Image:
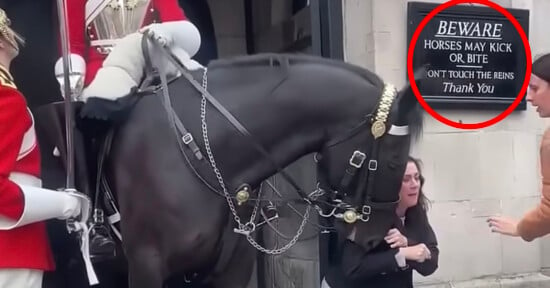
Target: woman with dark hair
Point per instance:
(410, 245)
(536, 223)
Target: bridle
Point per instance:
(188, 146)
(362, 167)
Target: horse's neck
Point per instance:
(291, 122)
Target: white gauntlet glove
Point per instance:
(176, 34)
(45, 204)
(71, 206)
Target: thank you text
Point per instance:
(471, 58)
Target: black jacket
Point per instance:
(352, 267)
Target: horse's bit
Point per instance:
(378, 128)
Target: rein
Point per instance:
(226, 114)
(356, 166)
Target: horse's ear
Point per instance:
(406, 100)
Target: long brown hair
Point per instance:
(541, 67)
(423, 201)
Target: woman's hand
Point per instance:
(395, 239)
(503, 225)
(418, 253)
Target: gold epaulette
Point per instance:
(6, 80)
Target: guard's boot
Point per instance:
(102, 245)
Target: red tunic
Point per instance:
(79, 34)
(26, 246)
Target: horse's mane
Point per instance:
(275, 59)
(415, 118)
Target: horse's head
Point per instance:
(364, 167)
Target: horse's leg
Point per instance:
(238, 271)
(144, 269)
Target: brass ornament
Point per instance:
(388, 96)
(128, 4)
(132, 4)
(114, 4)
(350, 216)
(378, 129)
(242, 196)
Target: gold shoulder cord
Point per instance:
(388, 96)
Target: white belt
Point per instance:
(25, 179)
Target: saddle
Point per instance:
(95, 125)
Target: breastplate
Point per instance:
(119, 18)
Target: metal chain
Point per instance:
(255, 210)
(211, 156)
(289, 244)
(245, 227)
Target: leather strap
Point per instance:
(186, 137)
(151, 72)
(228, 116)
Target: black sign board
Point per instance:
(475, 55)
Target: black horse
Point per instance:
(176, 176)
(33, 71)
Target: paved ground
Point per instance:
(535, 280)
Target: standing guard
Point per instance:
(24, 205)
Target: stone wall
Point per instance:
(229, 24)
(470, 174)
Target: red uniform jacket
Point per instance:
(26, 246)
(79, 34)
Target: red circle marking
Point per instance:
(410, 72)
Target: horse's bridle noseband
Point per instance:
(356, 162)
(364, 165)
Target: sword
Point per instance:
(69, 82)
(72, 83)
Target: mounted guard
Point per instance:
(24, 205)
(95, 28)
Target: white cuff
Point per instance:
(42, 204)
(400, 259)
